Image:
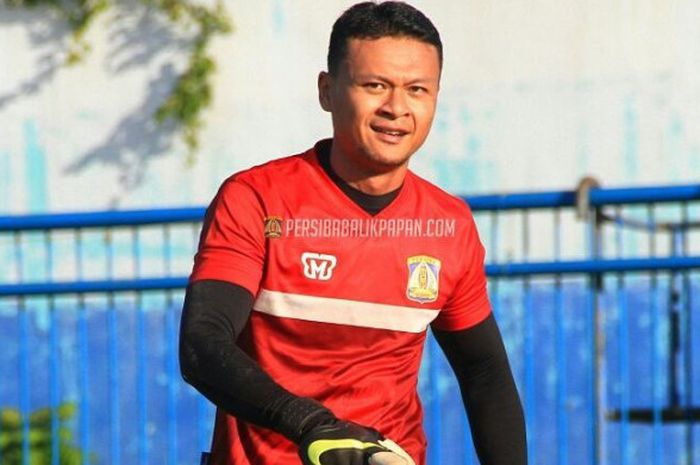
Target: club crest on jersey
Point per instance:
(423, 278)
(273, 226)
(318, 266)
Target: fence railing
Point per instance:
(593, 290)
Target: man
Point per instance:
(318, 274)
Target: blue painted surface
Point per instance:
(451, 419)
(442, 402)
(95, 406)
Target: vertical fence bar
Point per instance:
(114, 382)
(54, 380)
(494, 288)
(593, 324)
(656, 336)
(54, 355)
(623, 351)
(687, 325)
(113, 357)
(434, 429)
(171, 351)
(24, 379)
(560, 344)
(202, 421)
(141, 381)
(528, 347)
(23, 347)
(690, 389)
(84, 376)
(83, 354)
(592, 384)
(141, 353)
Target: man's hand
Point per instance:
(346, 443)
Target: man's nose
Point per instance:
(395, 104)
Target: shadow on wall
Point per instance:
(136, 139)
(46, 32)
(135, 38)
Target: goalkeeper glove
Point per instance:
(324, 439)
(339, 443)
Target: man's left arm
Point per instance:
(490, 397)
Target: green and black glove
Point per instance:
(340, 443)
(324, 439)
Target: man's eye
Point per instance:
(374, 86)
(417, 90)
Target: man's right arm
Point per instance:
(214, 315)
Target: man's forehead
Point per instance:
(404, 54)
(389, 42)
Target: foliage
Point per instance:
(192, 92)
(12, 434)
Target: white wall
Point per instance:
(536, 94)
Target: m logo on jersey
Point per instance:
(318, 266)
(423, 278)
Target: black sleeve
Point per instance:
(490, 397)
(213, 316)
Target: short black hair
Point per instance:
(371, 20)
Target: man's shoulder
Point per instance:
(277, 170)
(435, 194)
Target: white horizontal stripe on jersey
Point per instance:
(344, 312)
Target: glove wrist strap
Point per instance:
(299, 415)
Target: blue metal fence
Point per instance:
(593, 290)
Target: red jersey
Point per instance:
(343, 298)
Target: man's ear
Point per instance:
(324, 90)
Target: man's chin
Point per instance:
(389, 158)
(385, 164)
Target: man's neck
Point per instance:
(372, 204)
(366, 180)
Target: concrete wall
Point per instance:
(536, 94)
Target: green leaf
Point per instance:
(40, 437)
(10, 418)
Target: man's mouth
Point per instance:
(389, 131)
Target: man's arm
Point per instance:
(480, 362)
(214, 315)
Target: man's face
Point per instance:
(382, 101)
